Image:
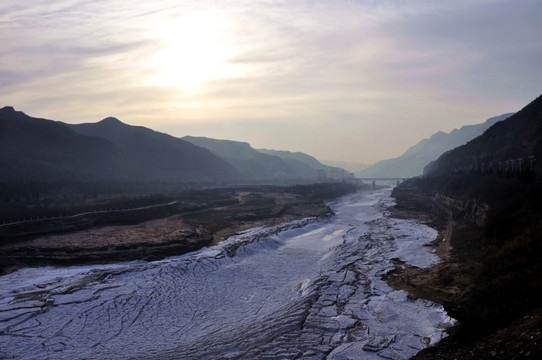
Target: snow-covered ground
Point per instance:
(306, 289)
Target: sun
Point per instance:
(194, 50)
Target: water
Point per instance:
(306, 289)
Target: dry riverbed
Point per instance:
(159, 238)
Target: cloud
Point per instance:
(477, 48)
(352, 80)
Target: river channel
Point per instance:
(308, 289)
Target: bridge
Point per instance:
(396, 180)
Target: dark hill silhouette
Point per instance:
(46, 150)
(412, 162)
(43, 149)
(149, 154)
(517, 137)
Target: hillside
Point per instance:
(489, 216)
(151, 155)
(46, 150)
(110, 150)
(412, 162)
(299, 159)
(51, 151)
(252, 163)
(508, 146)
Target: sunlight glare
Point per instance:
(195, 51)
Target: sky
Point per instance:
(342, 80)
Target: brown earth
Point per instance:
(172, 235)
(450, 281)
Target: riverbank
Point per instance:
(487, 284)
(210, 217)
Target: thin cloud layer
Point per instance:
(345, 80)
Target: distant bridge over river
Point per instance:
(387, 180)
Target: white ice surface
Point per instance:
(306, 289)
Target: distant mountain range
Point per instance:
(267, 164)
(149, 155)
(34, 148)
(317, 167)
(412, 162)
(507, 144)
(107, 150)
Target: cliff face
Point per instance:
(472, 210)
(491, 280)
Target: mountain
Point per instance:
(316, 167)
(33, 148)
(514, 141)
(486, 198)
(412, 162)
(353, 167)
(252, 163)
(152, 155)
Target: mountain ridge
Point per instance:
(170, 157)
(36, 147)
(517, 137)
(108, 150)
(251, 162)
(415, 158)
(113, 150)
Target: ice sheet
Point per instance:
(308, 289)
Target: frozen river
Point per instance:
(306, 289)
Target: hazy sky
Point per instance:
(341, 80)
